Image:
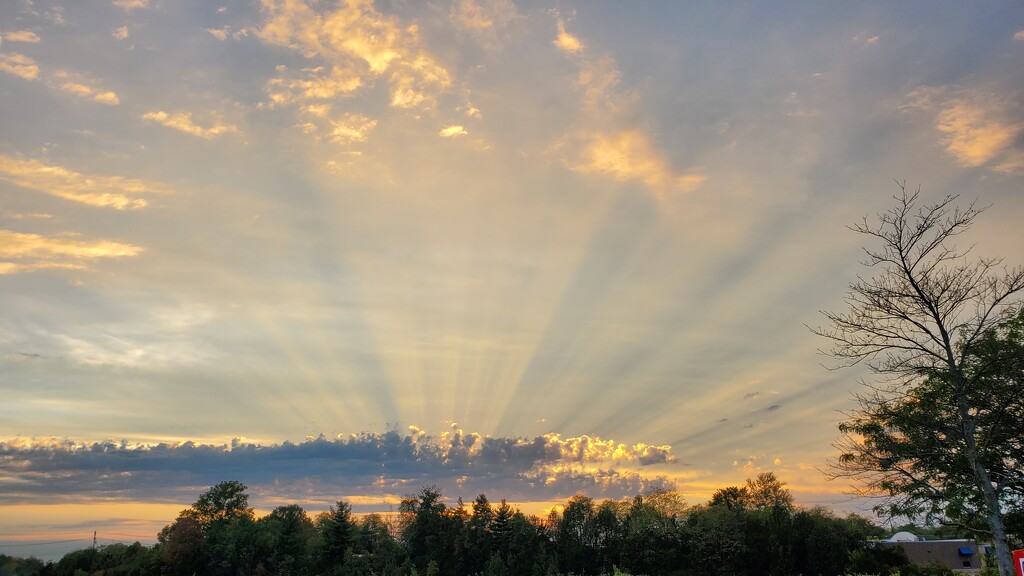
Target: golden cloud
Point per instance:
(630, 155)
(625, 154)
(597, 79)
(182, 121)
(32, 252)
(976, 127)
(76, 88)
(453, 131)
(972, 134)
(121, 33)
(471, 15)
(358, 44)
(316, 86)
(19, 65)
(131, 4)
(351, 128)
(566, 41)
(79, 89)
(22, 36)
(107, 97)
(99, 191)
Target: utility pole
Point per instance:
(93, 539)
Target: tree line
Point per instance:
(753, 529)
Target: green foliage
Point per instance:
(652, 534)
(13, 566)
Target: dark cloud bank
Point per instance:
(371, 469)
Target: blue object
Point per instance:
(966, 551)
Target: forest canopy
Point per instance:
(750, 529)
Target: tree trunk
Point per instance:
(993, 510)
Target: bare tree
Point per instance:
(915, 323)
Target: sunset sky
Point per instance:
(343, 249)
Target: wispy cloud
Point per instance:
(20, 252)
(73, 83)
(971, 133)
(356, 42)
(19, 65)
(977, 128)
(131, 4)
(369, 465)
(121, 33)
(102, 96)
(182, 122)
(219, 33)
(484, 20)
(565, 41)
(22, 36)
(485, 15)
(597, 147)
(351, 128)
(94, 190)
(630, 155)
(314, 84)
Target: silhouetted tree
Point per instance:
(916, 323)
(337, 535)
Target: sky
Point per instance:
(346, 249)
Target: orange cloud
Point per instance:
(566, 41)
(976, 127)
(182, 122)
(351, 128)
(22, 36)
(317, 85)
(453, 131)
(94, 190)
(79, 89)
(624, 154)
(971, 133)
(131, 4)
(32, 252)
(358, 44)
(19, 65)
(630, 155)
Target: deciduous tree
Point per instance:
(918, 437)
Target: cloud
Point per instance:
(22, 252)
(627, 153)
(314, 85)
(103, 97)
(971, 134)
(182, 121)
(19, 65)
(356, 43)
(566, 41)
(453, 131)
(121, 33)
(481, 16)
(976, 127)
(630, 155)
(93, 190)
(219, 33)
(1019, 35)
(131, 4)
(22, 36)
(468, 14)
(351, 128)
(371, 466)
